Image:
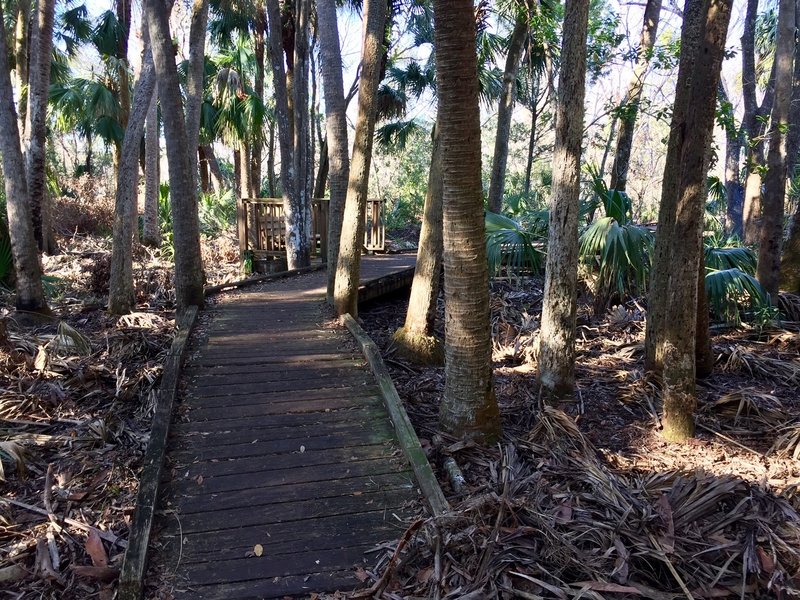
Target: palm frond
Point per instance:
(509, 245)
(727, 289)
(737, 257)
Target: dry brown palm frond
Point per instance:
(68, 341)
(789, 305)
(750, 408)
(13, 452)
(787, 443)
(781, 371)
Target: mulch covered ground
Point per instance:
(586, 500)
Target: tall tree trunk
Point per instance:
(121, 297)
(321, 182)
(151, 235)
(705, 29)
(194, 81)
(469, 406)
(30, 294)
(36, 128)
(237, 175)
(790, 258)
(348, 264)
(205, 176)
(123, 10)
(556, 363)
(245, 174)
(271, 160)
(416, 340)
(289, 177)
(21, 39)
(505, 112)
(258, 87)
(334, 160)
(185, 223)
(733, 182)
(630, 112)
(299, 222)
(790, 261)
(769, 248)
(531, 144)
(217, 180)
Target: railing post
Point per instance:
(241, 229)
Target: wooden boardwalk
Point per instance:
(282, 466)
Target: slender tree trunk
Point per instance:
(30, 294)
(334, 160)
(205, 176)
(260, 50)
(151, 235)
(237, 175)
(790, 258)
(416, 340)
(123, 9)
(469, 407)
(36, 128)
(121, 296)
(685, 242)
(627, 123)
(557, 338)
(531, 145)
(217, 180)
(21, 38)
(321, 181)
(299, 222)
(505, 112)
(245, 174)
(348, 265)
(185, 223)
(194, 81)
(769, 248)
(271, 160)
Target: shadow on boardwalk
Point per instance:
(283, 468)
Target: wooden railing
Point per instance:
(262, 229)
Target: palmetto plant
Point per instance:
(730, 280)
(510, 245)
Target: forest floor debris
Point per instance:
(589, 501)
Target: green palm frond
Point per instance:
(727, 289)
(620, 253)
(510, 245)
(395, 135)
(720, 259)
(107, 33)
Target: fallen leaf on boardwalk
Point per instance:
(357, 493)
(302, 449)
(258, 550)
(95, 550)
(361, 574)
(199, 480)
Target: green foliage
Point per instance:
(165, 221)
(217, 212)
(512, 246)
(730, 280)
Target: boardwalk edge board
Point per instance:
(406, 435)
(233, 285)
(131, 580)
(375, 288)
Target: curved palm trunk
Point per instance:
(185, 223)
(416, 340)
(556, 363)
(151, 235)
(335, 163)
(627, 124)
(194, 80)
(36, 128)
(30, 295)
(348, 264)
(504, 114)
(469, 407)
(769, 248)
(121, 296)
(704, 34)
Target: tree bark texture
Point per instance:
(194, 80)
(123, 10)
(185, 223)
(30, 294)
(627, 122)
(217, 180)
(416, 340)
(299, 221)
(733, 181)
(151, 234)
(21, 33)
(685, 244)
(469, 406)
(348, 263)
(556, 362)
(41, 48)
(771, 235)
(121, 298)
(505, 112)
(260, 42)
(334, 161)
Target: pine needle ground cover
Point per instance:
(587, 500)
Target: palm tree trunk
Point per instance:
(194, 80)
(151, 235)
(704, 34)
(260, 33)
(121, 297)
(469, 406)
(36, 128)
(30, 294)
(627, 124)
(299, 222)
(185, 224)
(334, 161)
(21, 33)
(557, 346)
(348, 264)
(416, 340)
(769, 248)
(505, 112)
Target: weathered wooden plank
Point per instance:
(215, 289)
(279, 403)
(135, 561)
(360, 383)
(222, 520)
(274, 588)
(197, 374)
(262, 496)
(312, 356)
(264, 447)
